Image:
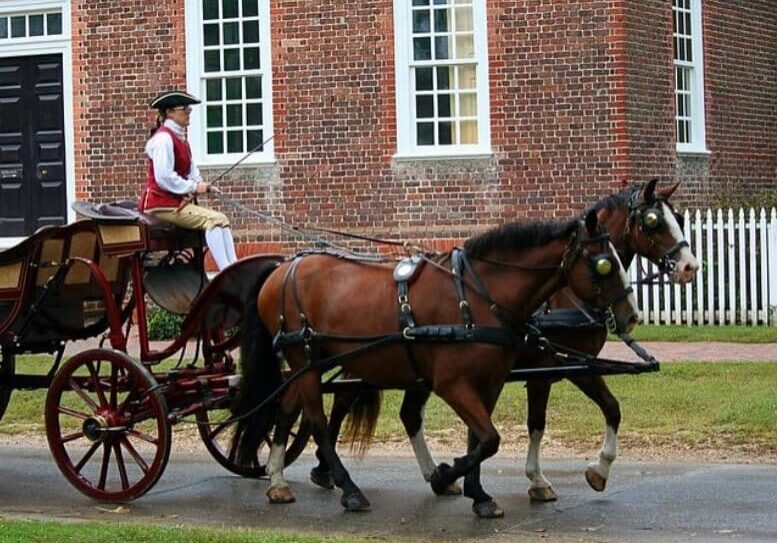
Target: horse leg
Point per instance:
(596, 389)
(352, 498)
(537, 392)
(321, 474)
(483, 444)
(412, 416)
(279, 491)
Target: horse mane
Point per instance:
(618, 200)
(518, 234)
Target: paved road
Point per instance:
(644, 502)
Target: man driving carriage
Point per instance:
(173, 180)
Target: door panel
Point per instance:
(32, 145)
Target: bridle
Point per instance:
(648, 216)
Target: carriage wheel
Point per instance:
(217, 435)
(107, 427)
(7, 368)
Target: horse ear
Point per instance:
(591, 222)
(648, 193)
(666, 191)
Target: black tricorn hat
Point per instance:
(173, 98)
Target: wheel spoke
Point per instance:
(104, 467)
(87, 400)
(114, 385)
(87, 456)
(220, 428)
(72, 412)
(145, 437)
(72, 437)
(121, 466)
(135, 455)
(95, 373)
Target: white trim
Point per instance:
(194, 40)
(405, 104)
(441, 154)
(46, 45)
(698, 143)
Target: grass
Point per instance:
(697, 334)
(18, 531)
(726, 403)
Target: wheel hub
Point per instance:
(95, 428)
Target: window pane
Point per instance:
(255, 139)
(253, 87)
(212, 61)
(444, 77)
(420, 21)
(251, 32)
(230, 33)
(36, 25)
(213, 90)
(422, 48)
(469, 132)
(250, 8)
(3, 27)
(464, 19)
(234, 88)
(420, 2)
(423, 79)
(215, 142)
(465, 46)
(444, 105)
(251, 58)
(466, 77)
(54, 23)
(230, 9)
(254, 114)
(469, 106)
(215, 117)
(210, 9)
(211, 34)
(231, 59)
(235, 141)
(234, 115)
(424, 107)
(441, 48)
(441, 20)
(425, 133)
(18, 27)
(446, 136)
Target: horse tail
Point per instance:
(362, 420)
(260, 378)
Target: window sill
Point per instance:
(215, 164)
(438, 155)
(693, 152)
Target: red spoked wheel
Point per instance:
(107, 426)
(216, 430)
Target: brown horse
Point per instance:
(640, 221)
(322, 310)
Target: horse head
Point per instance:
(655, 231)
(596, 275)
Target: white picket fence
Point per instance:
(737, 280)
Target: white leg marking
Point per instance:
(421, 449)
(533, 469)
(275, 466)
(607, 454)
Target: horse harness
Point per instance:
(648, 216)
(464, 277)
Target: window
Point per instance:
(30, 25)
(689, 85)
(228, 56)
(442, 77)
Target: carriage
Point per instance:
(108, 415)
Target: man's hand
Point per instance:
(202, 187)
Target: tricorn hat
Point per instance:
(173, 98)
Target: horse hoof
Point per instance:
(280, 494)
(453, 489)
(596, 481)
(488, 509)
(322, 478)
(355, 502)
(440, 479)
(542, 494)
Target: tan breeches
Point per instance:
(193, 217)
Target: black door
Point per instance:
(32, 144)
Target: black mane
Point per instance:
(619, 199)
(517, 234)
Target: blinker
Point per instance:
(651, 219)
(603, 266)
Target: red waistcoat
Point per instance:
(155, 196)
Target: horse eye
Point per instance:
(603, 266)
(651, 219)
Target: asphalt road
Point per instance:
(643, 501)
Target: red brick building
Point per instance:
(421, 119)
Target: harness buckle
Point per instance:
(406, 333)
(463, 305)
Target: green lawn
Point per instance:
(691, 334)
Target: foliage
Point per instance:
(163, 324)
(731, 198)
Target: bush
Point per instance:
(728, 198)
(163, 325)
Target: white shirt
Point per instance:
(160, 150)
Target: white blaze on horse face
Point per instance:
(687, 265)
(607, 454)
(422, 454)
(533, 469)
(275, 466)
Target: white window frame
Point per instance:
(405, 104)
(698, 143)
(46, 45)
(195, 85)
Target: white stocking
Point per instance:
(218, 251)
(229, 243)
